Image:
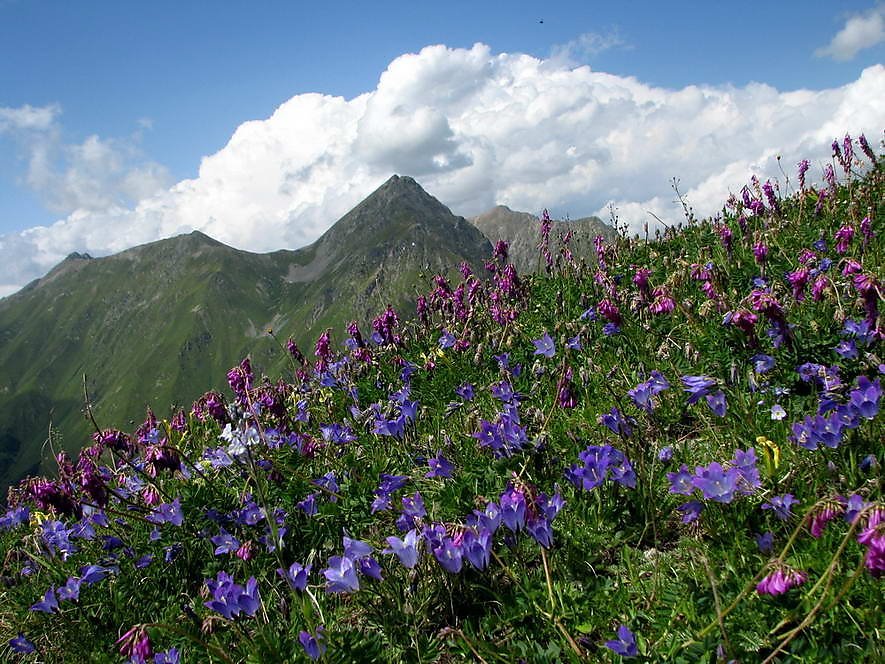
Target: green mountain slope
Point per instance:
(160, 323)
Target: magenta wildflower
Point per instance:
(726, 237)
(823, 515)
(868, 288)
(760, 252)
(818, 287)
(565, 394)
(609, 310)
(295, 352)
(780, 580)
(500, 251)
(872, 537)
(798, 279)
(641, 281)
(847, 153)
(866, 230)
(136, 644)
(240, 379)
(421, 309)
(663, 303)
(770, 196)
(803, 167)
(709, 290)
(745, 321)
(843, 238)
(830, 176)
(702, 272)
(599, 245)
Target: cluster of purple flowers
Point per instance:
(230, 599)
(827, 427)
(715, 482)
(704, 387)
(505, 435)
(598, 463)
(15, 516)
(70, 590)
(389, 485)
(399, 412)
(642, 395)
(519, 508)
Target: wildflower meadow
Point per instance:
(670, 453)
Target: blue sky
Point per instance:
(158, 86)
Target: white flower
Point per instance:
(228, 433)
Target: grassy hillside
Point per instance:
(673, 457)
(161, 323)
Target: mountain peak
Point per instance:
(400, 180)
(400, 185)
(199, 238)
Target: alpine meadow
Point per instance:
(662, 447)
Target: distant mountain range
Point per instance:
(161, 323)
(522, 232)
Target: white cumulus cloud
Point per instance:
(476, 128)
(860, 31)
(93, 175)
